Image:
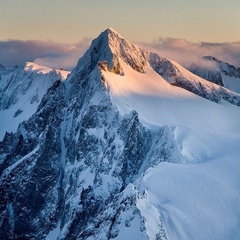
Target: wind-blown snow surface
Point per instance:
(159, 103)
(117, 152)
(201, 199)
(21, 91)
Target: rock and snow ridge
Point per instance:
(22, 89)
(116, 152)
(110, 48)
(218, 72)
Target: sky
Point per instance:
(71, 24)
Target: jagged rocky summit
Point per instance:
(101, 156)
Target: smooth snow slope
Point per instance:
(201, 199)
(159, 103)
(231, 83)
(197, 201)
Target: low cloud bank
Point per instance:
(186, 52)
(63, 55)
(47, 53)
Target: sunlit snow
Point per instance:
(198, 200)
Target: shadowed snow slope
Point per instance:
(218, 72)
(130, 146)
(21, 91)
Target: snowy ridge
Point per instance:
(22, 89)
(33, 67)
(218, 72)
(117, 151)
(181, 77)
(110, 48)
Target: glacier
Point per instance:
(130, 146)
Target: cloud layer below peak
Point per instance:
(65, 55)
(47, 53)
(186, 52)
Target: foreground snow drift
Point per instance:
(197, 201)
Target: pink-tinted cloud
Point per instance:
(186, 52)
(48, 53)
(63, 55)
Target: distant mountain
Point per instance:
(130, 146)
(21, 91)
(179, 76)
(218, 72)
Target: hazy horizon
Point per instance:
(57, 33)
(137, 20)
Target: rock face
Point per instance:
(68, 171)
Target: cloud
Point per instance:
(48, 53)
(186, 52)
(65, 55)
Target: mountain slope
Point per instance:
(178, 76)
(116, 152)
(159, 103)
(22, 89)
(218, 72)
(139, 59)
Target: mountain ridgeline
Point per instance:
(218, 72)
(74, 169)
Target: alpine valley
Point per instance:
(130, 145)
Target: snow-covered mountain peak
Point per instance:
(111, 34)
(109, 52)
(109, 153)
(210, 62)
(131, 54)
(106, 51)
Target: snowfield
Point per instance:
(197, 201)
(159, 103)
(198, 198)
